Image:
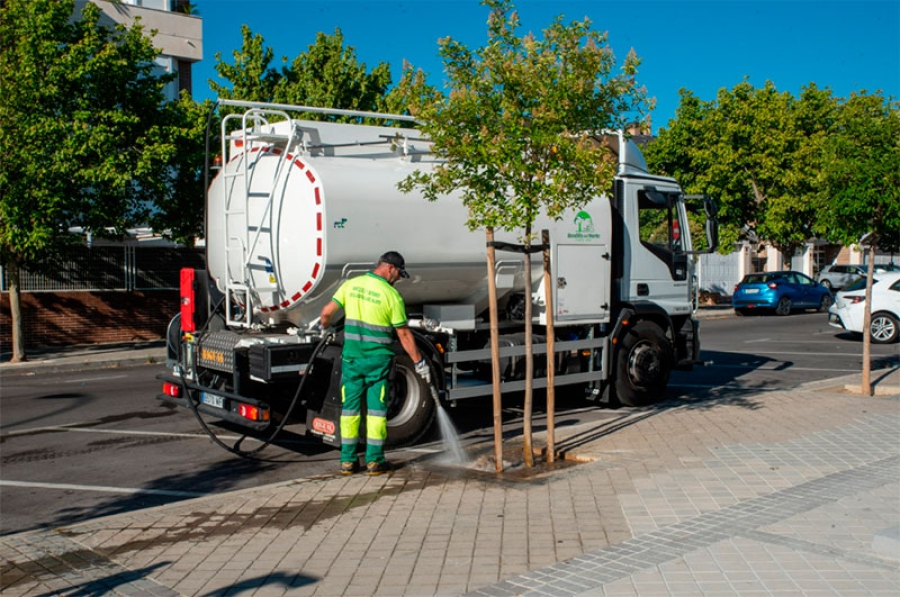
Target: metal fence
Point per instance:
(111, 268)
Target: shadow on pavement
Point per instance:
(107, 584)
(288, 581)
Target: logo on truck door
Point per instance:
(584, 228)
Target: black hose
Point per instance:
(192, 404)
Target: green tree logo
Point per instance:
(583, 223)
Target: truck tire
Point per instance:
(643, 365)
(411, 409)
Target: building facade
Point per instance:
(179, 35)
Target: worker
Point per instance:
(373, 311)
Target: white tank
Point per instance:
(298, 216)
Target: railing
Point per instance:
(111, 269)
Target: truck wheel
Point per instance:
(411, 409)
(643, 364)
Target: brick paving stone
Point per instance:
(726, 498)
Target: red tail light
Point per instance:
(853, 300)
(773, 285)
(188, 300)
(254, 413)
(172, 389)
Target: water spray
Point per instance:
(453, 452)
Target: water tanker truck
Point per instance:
(297, 206)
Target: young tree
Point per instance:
(514, 134)
(80, 133)
(860, 186)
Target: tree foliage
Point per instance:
(327, 75)
(791, 168)
(178, 208)
(750, 148)
(859, 173)
(514, 129)
(251, 77)
(81, 134)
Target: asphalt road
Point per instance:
(75, 446)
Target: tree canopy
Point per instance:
(790, 168)
(81, 127)
(515, 127)
(326, 75)
(749, 148)
(860, 174)
(82, 132)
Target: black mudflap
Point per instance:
(323, 420)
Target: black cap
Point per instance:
(395, 259)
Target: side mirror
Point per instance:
(709, 207)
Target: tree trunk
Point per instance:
(529, 358)
(551, 354)
(866, 388)
(15, 308)
(495, 349)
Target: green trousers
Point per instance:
(364, 378)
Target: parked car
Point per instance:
(836, 277)
(848, 309)
(781, 291)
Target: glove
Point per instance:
(423, 370)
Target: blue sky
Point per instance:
(700, 45)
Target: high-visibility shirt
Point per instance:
(372, 309)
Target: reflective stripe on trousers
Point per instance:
(364, 378)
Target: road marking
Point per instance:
(84, 379)
(103, 489)
(116, 431)
(808, 354)
(770, 341)
(781, 367)
(726, 387)
(279, 441)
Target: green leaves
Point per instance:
(80, 127)
(860, 173)
(514, 128)
(326, 75)
(790, 167)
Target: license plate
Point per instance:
(752, 291)
(212, 400)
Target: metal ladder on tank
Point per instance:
(240, 293)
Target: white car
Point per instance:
(848, 309)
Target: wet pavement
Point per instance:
(779, 493)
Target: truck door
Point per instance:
(582, 282)
(661, 230)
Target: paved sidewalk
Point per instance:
(780, 493)
(775, 493)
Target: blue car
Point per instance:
(781, 292)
